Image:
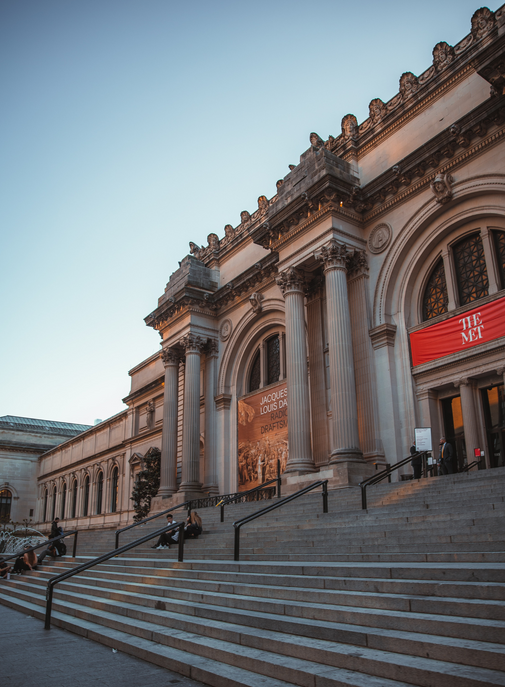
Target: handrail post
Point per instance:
(236, 548)
(117, 539)
(74, 552)
(278, 478)
(49, 605)
(181, 543)
(222, 512)
(363, 496)
(325, 497)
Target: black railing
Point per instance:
(375, 479)
(105, 557)
(186, 504)
(238, 523)
(471, 465)
(258, 493)
(46, 543)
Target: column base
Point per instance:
(339, 475)
(300, 467)
(161, 503)
(342, 455)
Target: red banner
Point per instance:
(459, 333)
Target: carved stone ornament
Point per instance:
(192, 343)
(291, 167)
(169, 356)
(195, 250)
(279, 183)
(255, 301)
(229, 231)
(483, 22)
(380, 238)
(225, 330)
(150, 414)
(334, 256)
(212, 347)
(358, 265)
(315, 140)
(441, 187)
(377, 110)
(408, 85)
(349, 127)
(245, 217)
(262, 204)
(213, 241)
(291, 279)
(443, 55)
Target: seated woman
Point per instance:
(28, 561)
(193, 526)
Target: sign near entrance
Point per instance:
(423, 438)
(459, 333)
(262, 436)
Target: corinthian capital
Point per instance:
(334, 256)
(357, 265)
(192, 343)
(169, 357)
(291, 280)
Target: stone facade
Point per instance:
(395, 225)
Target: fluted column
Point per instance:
(344, 411)
(210, 480)
(191, 428)
(168, 467)
(470, 425)
(364, 369)
(291, 282)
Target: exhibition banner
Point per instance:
(262, 435)
(459, 333)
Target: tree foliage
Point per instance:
(147, 484)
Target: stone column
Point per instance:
(191, 429)
(168, 463)
(364, 368)
(470, 425)
(489, 253)
(344, 410)
(210, 480)
(291, 282)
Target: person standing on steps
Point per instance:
(166, 538)
(56, 530)
(445, 458)
(417, 461)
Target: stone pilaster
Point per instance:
(364, 368)
(210, 480)
(291, 282)
(344, 411)
(191, 430)
(470, 425)
(168, 467)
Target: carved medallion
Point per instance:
(443, 55)
(483, 22)
(380, 238)
(225, 330)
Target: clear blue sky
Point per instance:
(130, 127)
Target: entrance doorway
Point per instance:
(5, 505)
(454, 433)
(493, 400)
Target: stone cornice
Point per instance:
(383, 335)
(19, 447)
(147, 389)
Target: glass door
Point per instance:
(454, 432)
(493, 399)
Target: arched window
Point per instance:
(435, 294)
(471, 272)
(499, 243)
(53, 505)
(5, 505)
(114, 490)
(85, 504)
(99, 492)
(46, 497)
(74, 499)
(63, 500)
(266, 367)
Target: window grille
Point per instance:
(471, 272)
(63, 500)
(74, 498)
(435, 295)
(99, 493)
(255, 376)
(273, 360)
(114, 495)
(86, 496)
(499, 242)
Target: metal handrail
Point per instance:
(375, 479)
(238, 523)
(241, 494)
(471, 465)
(186, 504)
(105, 557)
(45, 543)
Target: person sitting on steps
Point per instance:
(166, 538)
(193, 526)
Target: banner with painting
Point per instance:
(262, 436)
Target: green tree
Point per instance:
(147, 484)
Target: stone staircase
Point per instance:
(410, 592)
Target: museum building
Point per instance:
(362, 301)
